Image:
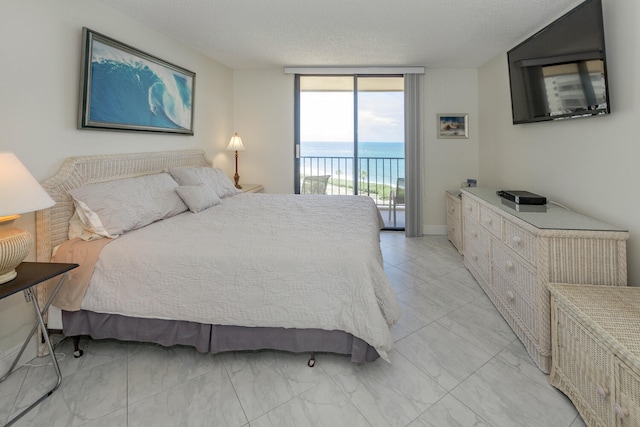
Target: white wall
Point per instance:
(447, 162)
(589, 165)
(263, 116)
(40, 45)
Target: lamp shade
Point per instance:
(235, 144)
(19, 190)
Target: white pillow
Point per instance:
(228, 187)
(215, 178)
(112, 208)
(78, 229)
(198, 197)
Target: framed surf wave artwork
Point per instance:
(125, 89)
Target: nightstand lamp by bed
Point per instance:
(235, 144)
(19, 193)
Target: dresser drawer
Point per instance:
(478, 258)
(491, 221)
(526, 312)
(627, 395)
(454, 231)
(516, 271)
(454, 220)
(454, 206)
(521, 241)
(470, 207)
(587, 365)
(474, 234)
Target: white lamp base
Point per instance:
(15, 244)
(8, 277)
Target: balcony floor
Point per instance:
(389, 219)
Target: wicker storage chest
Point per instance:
(595, 335)
(515, 251)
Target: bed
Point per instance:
(243, 272)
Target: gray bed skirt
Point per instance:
(215, 338)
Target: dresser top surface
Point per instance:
(549, 216)
(455, 193)
(614, 310)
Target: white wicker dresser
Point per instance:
(515, 251)
(595, 337)
(454, 218)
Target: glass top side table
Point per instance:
(29, 275)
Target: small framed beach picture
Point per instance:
(453, 126)
(125, 89)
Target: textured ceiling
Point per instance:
(265, 33)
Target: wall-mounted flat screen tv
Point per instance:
(561, 71)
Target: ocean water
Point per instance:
(345, 149)
(374, 163)
(131, 91)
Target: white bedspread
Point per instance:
(256, 260)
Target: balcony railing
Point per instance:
(375, 177)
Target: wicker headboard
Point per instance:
(52, 225)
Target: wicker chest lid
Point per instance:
(610, 312)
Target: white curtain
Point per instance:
(413, 125)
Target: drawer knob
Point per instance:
(474, 233)
(509, 265)
(489, 221)
(474, 256)
(510, 296)
(469, 208)
(602, 390)
(517, 240)
(620, 411)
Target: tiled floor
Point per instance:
(456, 363)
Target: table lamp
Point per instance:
(236, 145)
(19, 193)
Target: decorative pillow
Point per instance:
(228, 188)
(215, 178)
(198, 197)
(114, 207)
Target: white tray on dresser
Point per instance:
(515, 251)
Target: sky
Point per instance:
(328, 116)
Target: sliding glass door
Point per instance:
(350, 139)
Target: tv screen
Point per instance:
(561, 71)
